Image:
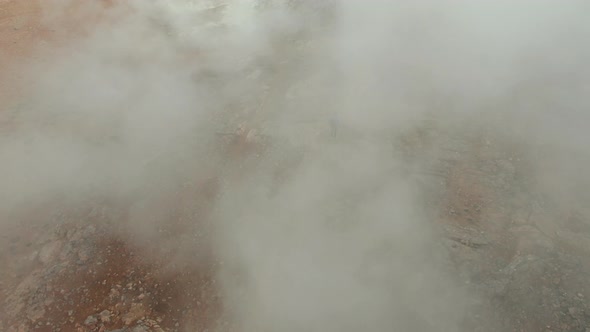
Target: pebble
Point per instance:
(90, 320)
(139, 328)
(136, 312)
(105, 316)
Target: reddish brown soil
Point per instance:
(102, 271)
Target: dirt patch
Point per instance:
(91, 280)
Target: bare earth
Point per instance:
(72, 276)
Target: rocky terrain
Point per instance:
(76, 272)
(524, 254)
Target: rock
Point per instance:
(114, 294)
(136, 312)
(575, 313)
(49, 252)
(105, 316)
(90, 321)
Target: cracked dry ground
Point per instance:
(524, 254)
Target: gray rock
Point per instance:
(105, 316)
(90, 320)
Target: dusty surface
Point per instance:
(20, 30)
(81, 277)
(78, 273)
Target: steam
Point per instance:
(343, 240)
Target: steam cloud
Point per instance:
(343, 239)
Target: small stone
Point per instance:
(105, 316)
(114, 294)
(136, 312)
(90, 320)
